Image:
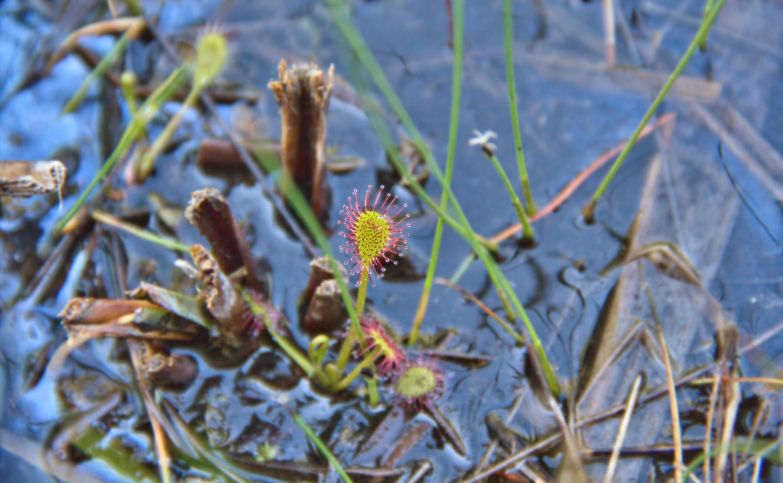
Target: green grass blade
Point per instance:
(456, 87)
(286, 345)
(137, 124)
(106, 62)
(527, 228)
(359, 47)
(308, 431)
(589, 210)
(512, 104)
(302, 208)
(141, 233)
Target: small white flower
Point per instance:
(483, 139)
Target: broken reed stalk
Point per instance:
(588, 211)
(302, 92)
(209, 212)
(512, 104)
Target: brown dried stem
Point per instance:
(209, 212)
(302, 92)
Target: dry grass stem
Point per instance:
(673, 407)
(622, 430)
(164, 460)
(609, 31)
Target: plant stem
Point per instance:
(493, 270)
(113, 221)
(365, 362)
(707, 9)
(147, 161)
(136, 126)
(362, 295)
(512, 104)
(589, 210)
(333, 461)
(302, 208)
(453, 124)
(98, 72)
(527, 228)
(288, 347)
(345, 351)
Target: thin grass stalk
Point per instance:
(147, 161)
(100, 69)
(287, 346)
(365, 57)
(365, 362)
(308, 431)
(674, 411)
(527, 228)
(456, 88)
(622, 430)
(463, 228)
(589, 210)
(609, 34)
(708, 426)
(136, 126)
(113, 221)
(512, 104)
(707, 9)
(128, 84)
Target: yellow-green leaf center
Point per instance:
(416, 381)
(372, 235)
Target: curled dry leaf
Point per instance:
(27, 178)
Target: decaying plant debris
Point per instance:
(302, 92)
